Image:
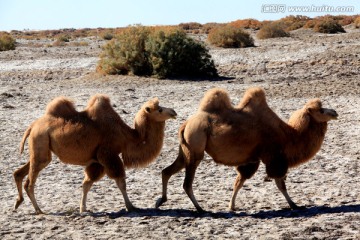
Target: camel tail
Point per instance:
(25, 136)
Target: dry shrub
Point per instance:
(206, 28)
(328, 25)
(230, 37)
(7, 42)
(190, 26)
(58, 43)
(247, 23)
(107, 36)
(357, 22)
(79, 44)
(272, 30)
(63, 38)
(292, 22)
(310, 24)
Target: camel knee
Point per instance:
(94, 172)
(247, 171)
(277, 168)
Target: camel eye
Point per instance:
(322, 111)
(160, 110)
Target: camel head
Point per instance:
(156, 112)
(318, 113)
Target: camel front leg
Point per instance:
(120, 182)
(94, 172)
(280, 183)
(244, 172)
(239, 182)
(114, 169)
(175, 167)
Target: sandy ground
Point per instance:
(291, 70)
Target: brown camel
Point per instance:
(244, 135)
(93, 138)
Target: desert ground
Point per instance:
(292, 70)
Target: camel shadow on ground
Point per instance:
(307, 212)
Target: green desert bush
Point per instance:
(272, 30)
(63, 38)
(173, 54)
(328, 26)
(7, 42)
(230, 37)
(107, 36)
(162, 53)
(126, 53)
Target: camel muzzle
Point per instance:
(331, 112)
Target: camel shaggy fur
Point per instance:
(93, 138)
(244, 135)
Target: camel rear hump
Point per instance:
(61, 107)
(215, 100)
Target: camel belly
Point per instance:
(75, 144)
(232, 153)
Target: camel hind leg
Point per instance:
(189, 179)
(19, 175)
(94, 172)
(244, 172)
(175, 167)
(37, 162)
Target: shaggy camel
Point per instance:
(93, 138)
(244, 135)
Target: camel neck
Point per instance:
(146, 145)
(302, 146)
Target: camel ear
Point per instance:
(147, 109)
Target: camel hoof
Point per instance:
(200, 210)
(132, 209)
(18, 202)
(160, 202)
(39, 212)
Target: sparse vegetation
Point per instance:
(160, 52)
(230, 37)
(7, 42)
(272, 30)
